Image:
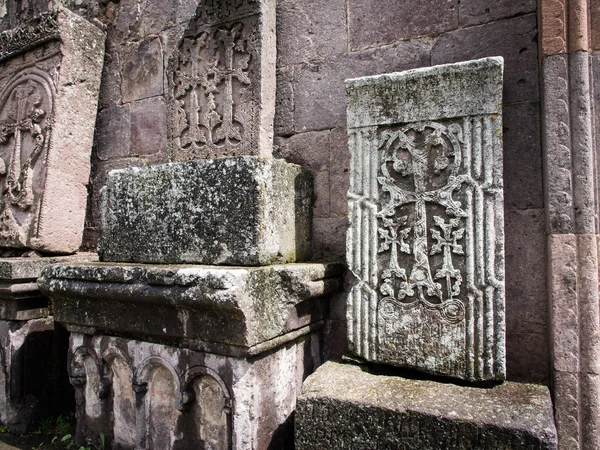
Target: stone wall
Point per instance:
(321, 43)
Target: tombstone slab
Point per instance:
(49, 82)
(426, 242)
(345, 406)
(235, 211)
(222, 82)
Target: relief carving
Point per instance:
(20, 39)
(212, 104)
(409, 155)
(26, 117)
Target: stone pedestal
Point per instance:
(224, 349)
(33, 353)
(345, 406)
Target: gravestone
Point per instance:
(222, 82)
(49, 82)
(426, 242)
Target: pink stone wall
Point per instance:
(321, 43)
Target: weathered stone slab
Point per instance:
(225, 310)
(20, 298)
(49, 81)
(426, 241)
(143, 395)
(344, 406)
(234, 211)
(222, 82)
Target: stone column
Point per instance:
(572, 219)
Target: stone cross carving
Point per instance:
(221, 82)
(43, 170)
(426, 236)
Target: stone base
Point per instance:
(33, 375)
(33, 354)
(152, 396)
(343, 406)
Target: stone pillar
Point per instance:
(571, 184)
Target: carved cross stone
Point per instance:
(222, 82)
(426, 236)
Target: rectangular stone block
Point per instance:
(20, 298)
(49, 81)
(226, 310)
(426, 241)
(144, 395)
(344, 406)
(234, 211)
(221, 82)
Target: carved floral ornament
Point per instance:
(408, 157)
(211, 105)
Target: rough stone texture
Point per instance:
(33, 378)
(20, 298)
(49, 81)
(142, 70)
(234, 211)
(553, 27)
(397, 21)
(426, 238)
(514, 39)
(344, 406)
(234, 311)
(573, 264)
(148, 127)
(142, 395)
(222, 82)
(475, 12)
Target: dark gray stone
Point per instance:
(319, 96)
(113, 129)
(475, 12)
(523, 184)
(284, 102)
(373, 23)
(148, 127)
(344, 406)
(225, 310)
(235, 211)
(514, 39)
(142, 70)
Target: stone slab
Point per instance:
(426, 237)
(225, 310)
(221, 82)
(144, 395)
(443, 92)
(50, 73)
(20, 298)
(344, 406)
(234, 211)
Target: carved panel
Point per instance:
(45, 131)
(219, 83)
(426, 245)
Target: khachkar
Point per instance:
(49, 82)
(426, 248)
(426, 241)
(221, 79)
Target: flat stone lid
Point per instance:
(236, 311)
(382, 408)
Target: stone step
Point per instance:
(344, 406)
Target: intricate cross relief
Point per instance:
(25, 127)
(409, 155)
(211, 108)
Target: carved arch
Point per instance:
(144, 370)
(192, 373)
